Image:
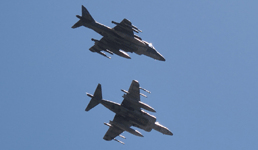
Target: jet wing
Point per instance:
(114, 130)
(100, 45)
(103, 45)
(132, 97)
(106, 44)
(126, 27)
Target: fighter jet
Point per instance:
(128, 113)
(119, 39)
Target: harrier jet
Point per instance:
(118, 40)
(128, 113)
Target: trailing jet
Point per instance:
(118, 40)
(128, 113)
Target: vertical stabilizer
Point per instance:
(85, 18)
(95, 99)
(86, 15)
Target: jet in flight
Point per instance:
(119, 39)
(128, 113)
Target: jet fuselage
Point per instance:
(126, 42)
(139, 119)
(128, 113)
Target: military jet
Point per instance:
(118, 40)
(128, 113)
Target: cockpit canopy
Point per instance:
(149, 44)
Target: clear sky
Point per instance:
(206, 92)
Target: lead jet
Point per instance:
(128, 113)
(118, 40)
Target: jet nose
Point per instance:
(154, 54)
(170, 133)
(162, 58)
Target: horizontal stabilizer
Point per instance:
(77, 24)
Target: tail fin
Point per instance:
(86, 15)
(85, 18)
(95, 99)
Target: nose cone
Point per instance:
(161, 58)
(166, 131)
(151, 52)
(169, 133)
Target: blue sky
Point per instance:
(205, 92)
